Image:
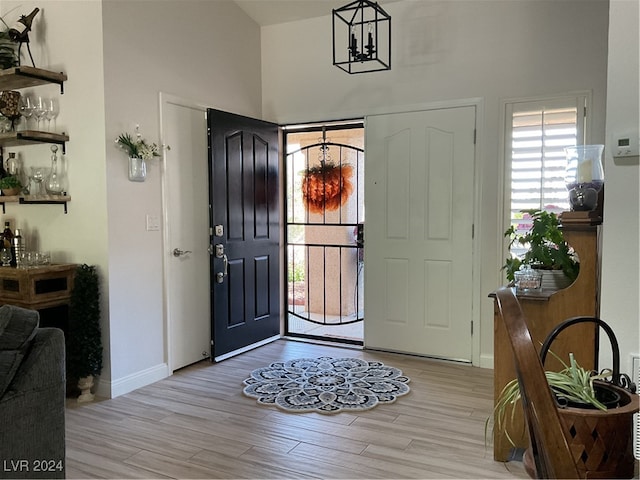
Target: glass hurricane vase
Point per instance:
(137, 169)
(584, 176)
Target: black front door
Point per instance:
(243, 159)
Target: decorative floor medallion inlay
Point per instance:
(326, 384)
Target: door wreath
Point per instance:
(326, 187)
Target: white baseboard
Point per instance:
(120, 386)
(486, 361)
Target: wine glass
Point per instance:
(40, 109)
(5, 124)
(38, 174)
(52, 112)
(26, 110)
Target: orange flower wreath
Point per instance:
(326, 187)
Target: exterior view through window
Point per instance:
(324, 167)
(536, 134)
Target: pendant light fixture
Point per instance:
(361, 37)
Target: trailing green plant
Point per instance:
(547, 247)
(573, 384)
(84, 340)
(11, 181)
(8, 53)
(8, 48)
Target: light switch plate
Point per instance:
(153, 223)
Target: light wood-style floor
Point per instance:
(198, 424)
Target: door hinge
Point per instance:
(475, 133)
(472, 328)
(473, 230)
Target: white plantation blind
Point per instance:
(537, 133)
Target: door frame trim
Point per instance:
(163, 100)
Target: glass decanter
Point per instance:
(55, 185)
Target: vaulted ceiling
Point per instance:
(271, 12)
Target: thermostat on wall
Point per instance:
(626, 146)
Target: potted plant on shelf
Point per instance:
(547, 250)
(10, 185)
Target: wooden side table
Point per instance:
(39, 288)
(543, 311)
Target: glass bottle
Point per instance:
(55, 184)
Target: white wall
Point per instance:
(206, 52)
(621, 239)
(81, 235)
(445, 51)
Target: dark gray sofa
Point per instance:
(32, 396)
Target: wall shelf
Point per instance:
(30, 137)
(35, 200)
(25, 77)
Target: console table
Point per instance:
(41, 288)
(543, 311)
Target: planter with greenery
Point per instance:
(8, 48)
(84, 341)
(546, 246)
(10, 185)
(595, 409)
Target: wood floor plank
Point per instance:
(198, 424)
(367, 467)
(232, 467)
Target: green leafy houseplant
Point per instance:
(84, 342)
(8, 48)
(547, 248)
(8, 55)
(137, 146)
(10, 182)
(573, 384)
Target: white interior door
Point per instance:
(186, 199)
(419, 185)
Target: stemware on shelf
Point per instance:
(38, 174)
(26, 110)
(52, 112)
(40, 109)
(5, 124)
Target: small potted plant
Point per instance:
(595, 409)
(547, 249)
(10, 185)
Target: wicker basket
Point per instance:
(601, 441)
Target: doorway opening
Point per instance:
(324, 231)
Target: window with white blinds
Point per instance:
(536, 134)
